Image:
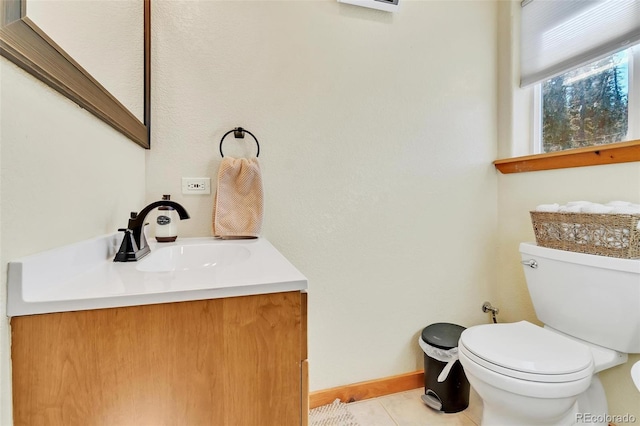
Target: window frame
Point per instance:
(621, 152)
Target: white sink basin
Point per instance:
(190, 257)
(84, 276)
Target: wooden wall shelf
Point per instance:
(622, 152)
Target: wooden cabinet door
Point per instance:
(226, 362)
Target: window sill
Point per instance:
(622, 152)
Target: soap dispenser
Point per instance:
(166, 223)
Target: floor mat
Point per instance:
(334, 414)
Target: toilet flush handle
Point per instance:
(530, 263)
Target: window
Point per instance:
(586, 106)
(580, 63)
(579, 55)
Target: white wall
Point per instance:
(377, 133)
(65, 176)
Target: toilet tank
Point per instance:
(593, 298)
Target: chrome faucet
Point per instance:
(134, 245)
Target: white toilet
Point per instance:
(528, 375)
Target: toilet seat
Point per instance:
(525, 351)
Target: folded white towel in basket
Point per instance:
(618, 203)
(613, 207)
(570, 209)
(630, 209)
(548, 207)
(595, 208)
(578, 203)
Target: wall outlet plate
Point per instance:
(197, 185)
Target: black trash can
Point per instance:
(446, 387)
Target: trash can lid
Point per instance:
(442, 335)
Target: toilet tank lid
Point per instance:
(626, 265)
(525, 347)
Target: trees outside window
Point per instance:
(587, 106)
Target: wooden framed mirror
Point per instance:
(25, 43)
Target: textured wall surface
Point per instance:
(65, 176)
(377, 133)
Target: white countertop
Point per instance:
(83, 276)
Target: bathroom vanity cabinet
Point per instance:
(229, 361)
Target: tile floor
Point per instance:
(407, 409)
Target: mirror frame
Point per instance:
(26, 45)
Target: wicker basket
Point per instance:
(613, 235)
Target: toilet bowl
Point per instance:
(528, 375)
(525, 375)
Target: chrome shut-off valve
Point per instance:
(486, 307)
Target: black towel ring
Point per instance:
(238, 133)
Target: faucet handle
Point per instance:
(133, 215)
(128, 247)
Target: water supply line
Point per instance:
(486, 307)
